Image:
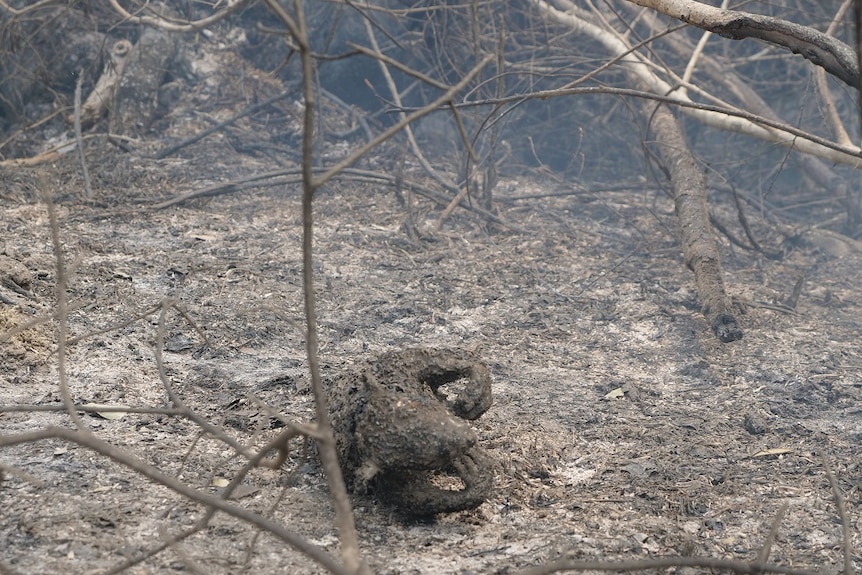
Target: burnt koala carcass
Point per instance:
(403, 434)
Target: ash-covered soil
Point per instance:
(621, 427)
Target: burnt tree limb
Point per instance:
(700, 248)
(821, 49)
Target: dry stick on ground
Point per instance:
(142, 315)
(92, 409)
(283, 177)
(700, 248)
(763, 554)
(53, 154)
(738, 567)
(164, 153)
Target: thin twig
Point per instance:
(421, 112)
(286, 176)
(358, 115)
(37, 321)
(214, 430)
(846, 154)
(165, 24)
(763, 554)
(452, 205)
(383, 58)
(79, 142)
(140, 557)
(820, 76)
(220, 126)
(53, 153)
(149, 311)
(326, 441)
(846, 534)
(396, 98)
(15, 472)
(90, 441)
(31, 8)
(93, 409)
(62, 308)
(743, 220)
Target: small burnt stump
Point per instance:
(401, 432)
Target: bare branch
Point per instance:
(396, 97)
(841, 505)
(724, 118)
(739, 567)
(62, 308)
(165, 24)
(445, 98)
(829, 53)
(79, 143)
(31, 8)
(90, 441)
(326, 440)
(823, 87)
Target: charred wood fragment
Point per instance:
(137, 96)
(99, 100)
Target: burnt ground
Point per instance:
(621, 427)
